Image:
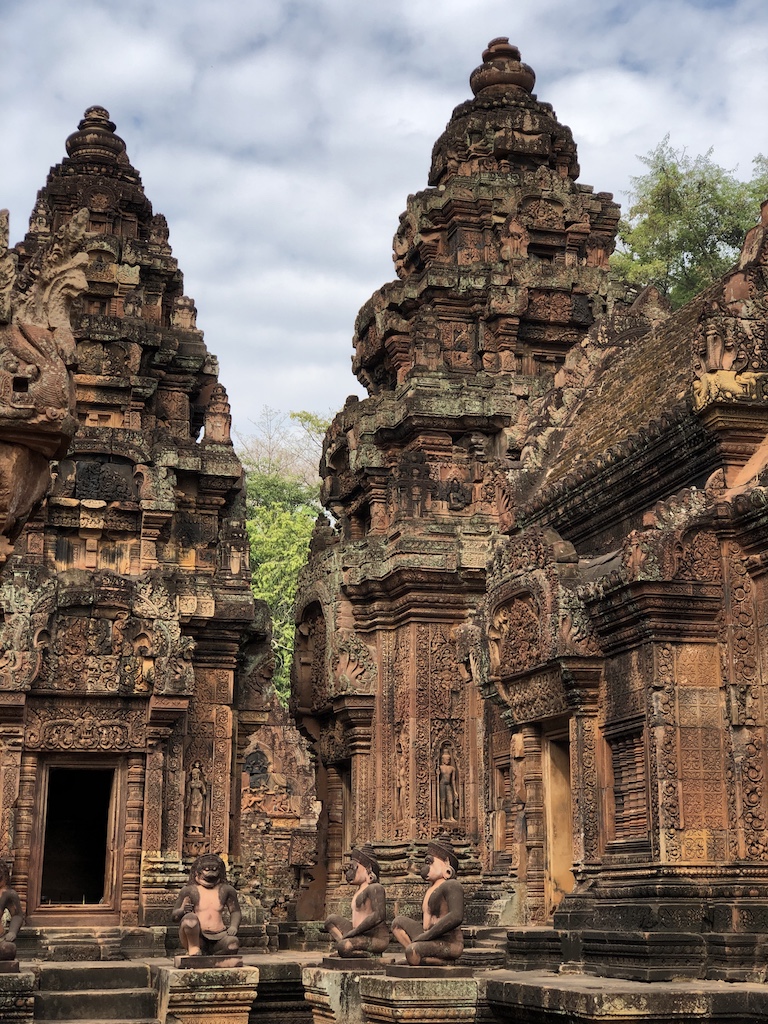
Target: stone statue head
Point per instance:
(442, 850)
(367, 858)
(209, 870)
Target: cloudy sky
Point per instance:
(281, 137)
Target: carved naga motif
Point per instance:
(37, 352)
(354, 669)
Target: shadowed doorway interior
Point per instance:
(77, 822)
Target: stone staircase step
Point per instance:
(94, 1004)
(99, 1020)
(95, 991)
(98, 975)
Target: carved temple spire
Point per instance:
(505, 126)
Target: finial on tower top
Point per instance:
(95, 138)
(502, 66)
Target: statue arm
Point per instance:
(184, 904)
(233, 906)
(13, 906)
(377, 901)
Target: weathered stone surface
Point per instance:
(17, 1001)
(199, 997)
(421, 1001)
(533, 999)
(334, 992)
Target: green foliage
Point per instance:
(282, 490)
(279, 538)
(687, 221)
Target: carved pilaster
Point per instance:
(534, 822)
(335, 823)
(220, 790)
(581, 679)
(153, 790)
(25, 809)
(134, 809)
(355, 712)
(11, 743)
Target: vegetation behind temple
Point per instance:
(281, 460)
(686, 222)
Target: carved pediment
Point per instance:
(515, 637)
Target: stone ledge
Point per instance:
(582, 999)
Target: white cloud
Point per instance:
(281, 139)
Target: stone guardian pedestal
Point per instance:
(333, 991)
(216, 996)
(436, 999)
(17, 1001)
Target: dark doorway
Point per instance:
(76, 829)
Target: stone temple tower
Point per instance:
(502, 270)
(125, 604)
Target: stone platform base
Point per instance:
(205, 963)
(530, 998)
(333, 993)
(212, 996)
(352, 963)
(17, 998)
(427, 972)
(420, 998)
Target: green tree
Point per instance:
(686, 222)
(281, 460)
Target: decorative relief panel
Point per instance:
(540, 695)
(515, 639)
(95, 728)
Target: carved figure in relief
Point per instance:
(367, 932)
(200, 910)
(437, 938)
(9, 901)
(727, 385)
(401, 782)
(447, 792)
(196, 798)
(37, 353)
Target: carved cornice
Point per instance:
(355, 713)
(581, 681)
(648, 610)
(163, 712)
(658, 460)
(12, 704)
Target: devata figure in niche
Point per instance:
(200, 910)
(438, 938)
(9, 901)
(197, 792)
(367, 932)
(447, 792)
